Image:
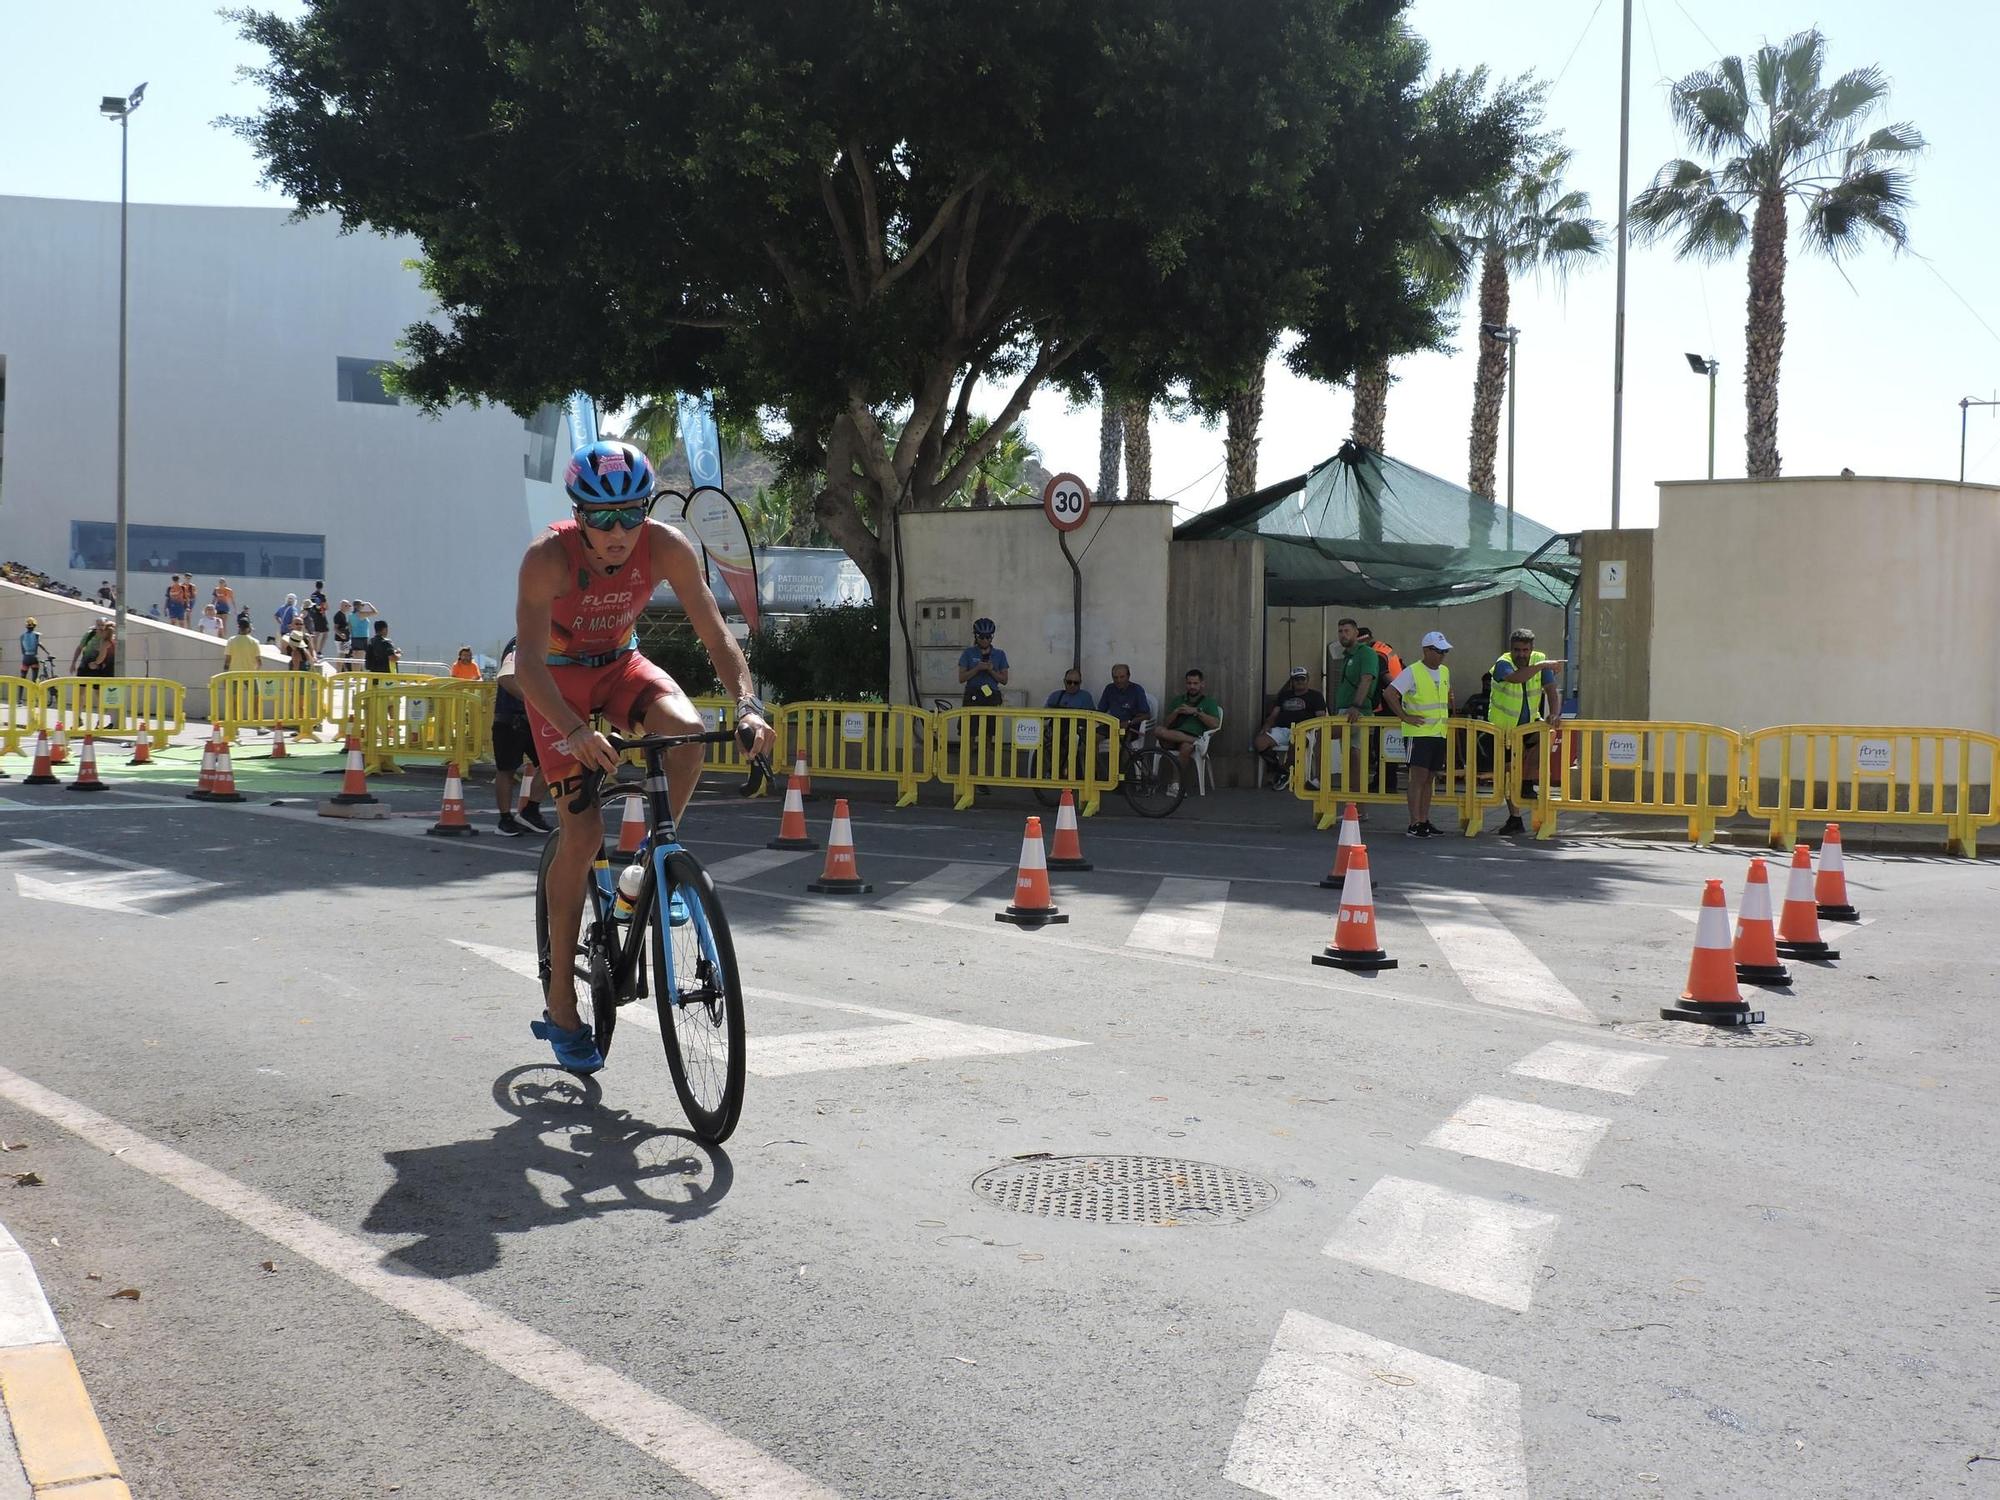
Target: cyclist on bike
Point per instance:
(583, 584)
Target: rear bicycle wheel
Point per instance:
(700, 998)
(592, 959)
(1153, 784)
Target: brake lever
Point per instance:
(586, 792)
(759, 774)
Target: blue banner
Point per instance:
(581, 413)
(700, 441)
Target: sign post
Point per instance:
(1066, 502)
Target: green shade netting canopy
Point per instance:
(1363, 529)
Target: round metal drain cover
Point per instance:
(1162, 1190)
(1682, 1034)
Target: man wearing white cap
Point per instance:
(1420, 695)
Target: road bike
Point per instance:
(694, 981)
(1149, 776)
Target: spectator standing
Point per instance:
(297, 645)
(176, 611)
(380, 654)
(341, 638)
(513, 745)
(31, 647)
(1522, 680)
(316, 621)
(465, 669)
(287, 614)
(223, 597)
(1420, 696)
(97, 650)
(211, 622)
(1125, 700)
(358, 617)
(1189, 717)
(241, 652)
(1355, 678)
(982, 667)
(1294, 703)
(106, 594)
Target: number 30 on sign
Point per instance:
(1066, 501)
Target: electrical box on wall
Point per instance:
(945, 622)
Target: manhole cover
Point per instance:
(1161, 1190)
(1683, 1034)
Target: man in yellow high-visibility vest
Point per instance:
(1420, 695)
(1525, 691)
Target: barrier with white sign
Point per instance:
(860, 742)
(1868, 774)
(1638, 768)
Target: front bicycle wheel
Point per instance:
(1153, 784)
(700, 998)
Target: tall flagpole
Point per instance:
(1624, 198)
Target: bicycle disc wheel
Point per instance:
(1153, 784)
(701, 1000)
(590, 959)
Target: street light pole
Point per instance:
(121, 110)
(1624, 199)
(1965, 405)
(1708, 367)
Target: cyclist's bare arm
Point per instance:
(675, 560)
(544, 578)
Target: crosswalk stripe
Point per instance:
(1477, 1247)
(939, 892)
(1521, 1135)
(1601, 1068)
(1184, 916)
(1338, 1414)
(741, 867)
(1495, 966)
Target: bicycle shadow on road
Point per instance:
(564, 1156)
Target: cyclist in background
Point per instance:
(583, 584)
(31, 649)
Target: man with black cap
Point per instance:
(1295, 702)
(1420, 696)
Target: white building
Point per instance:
(262, 447)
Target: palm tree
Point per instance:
(1244, 412)
(1136, 417)
(1776, 136)
(1001, 477)
(1529, 223)
(1371, 403)
(1110, 449)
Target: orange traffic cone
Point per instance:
(1711, 996)
(1830, 889)
(353, 785)
(278, 743)
(802, 776)
(792, 823)
(1354, 945)
(841, 875)
(38, 774)
(632, 827)
(1343, 852)
(1798, 923)
(59, 746)
(86, 768)
(1068, 852)
(204, 783)
(451, 821)
(142, 751)
(1756, 936)
(1033, 906)
(223, 789)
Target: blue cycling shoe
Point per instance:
(575, 1050)
(677, 910)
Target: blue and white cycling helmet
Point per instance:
(982, 626)
(608, 473)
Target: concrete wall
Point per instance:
(238, 319)
(1616, 633)
(1215, 597)
(1826, 601)
(1297, 635)
(1007, 563)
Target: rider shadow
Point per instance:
(564, 1156)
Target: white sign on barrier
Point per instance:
(1875, 757)
(1027, 734)
(710, 717)
(1621, 749)
(1394, 746)
(854, 728)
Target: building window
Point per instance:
(540, 464)
(361, 380)
(198, 550)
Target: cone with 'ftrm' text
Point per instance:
(1354, 944)
(1343, 852)
(1830, 888)
(204, 782)
(842, 873)
(792, 821)
(1798, 922)
(1711, 996)
(1757, 935)
(86, 768)
(452, 822)
(1067, 854)
(223, 787)
(1032, 906)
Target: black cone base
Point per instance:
(1366, 963)
(351, 799)
(840, 887)
(1333, 882)
(39, 781)
(1031, 916)
(224, 797)
(1717, 1015)
(1806, 950)
(799, 844)
(445, 831)
(1839, 914)
(1774, 974)
(201, 796)
(1069, 864)
(88, 786)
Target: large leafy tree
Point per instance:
(834, 214)
(1776, 137)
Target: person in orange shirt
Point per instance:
(465, 668)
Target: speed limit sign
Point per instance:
(1066, 501)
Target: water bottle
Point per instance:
(630, 879)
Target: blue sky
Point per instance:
(1874, 363)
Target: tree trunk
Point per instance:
(1490, 385)
(837, 512)
(1245, 411)
(1110, 450)
(1764, 336)
(1371, 403)
(1137, 416)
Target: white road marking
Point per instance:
(25, 1315)
(1184, 916)
(1476, 1247)
(938, 893)
(1494, 965)
(1339, 1415)
(128, 883)
(906, 1037)
(1588, 1067)
(741, 867)
(641, 1013)
(1521, 1135)
(678, 1438)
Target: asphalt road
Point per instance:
(275, 1073)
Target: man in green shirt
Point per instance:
(1355, 693)
(1188, 718)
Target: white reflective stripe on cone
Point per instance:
(842, 835)
(1031, 854)
(794, 802)
(1757, 901)
(1712, 929)
(1800, 887)
(1350, 833)
(1359, 890)
(1066, 817)
(1829, 854)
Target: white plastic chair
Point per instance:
(1204, 779)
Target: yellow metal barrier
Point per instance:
(122, 706)
(720, 713)
(416, 718)
(19, 714)
(1368, 762)
(344, 691)
(1860, 774)
(1051, 748)
(1675, 770)
(267, 700)
(861, 742)
(478, 712)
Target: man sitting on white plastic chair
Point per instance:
(1295, 702)
(1187, 721)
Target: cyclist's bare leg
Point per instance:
(578, 839)
(672, 713)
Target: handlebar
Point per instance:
(760, 766)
